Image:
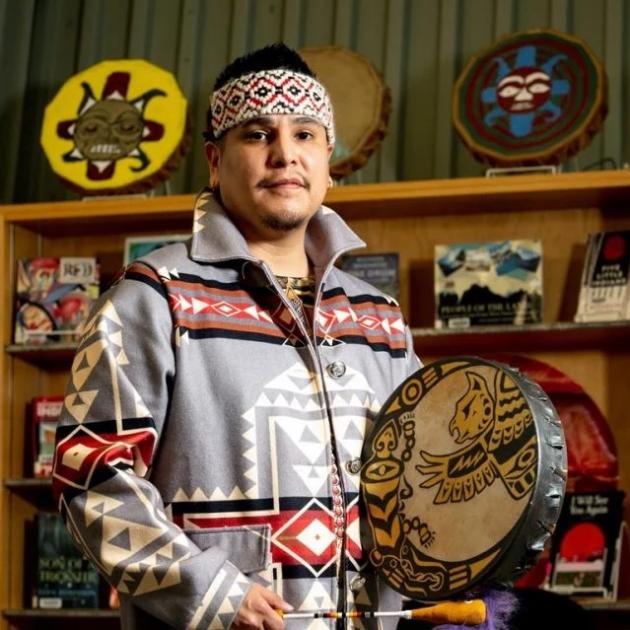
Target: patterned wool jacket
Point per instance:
(209, 440)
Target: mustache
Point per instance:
(269, 182)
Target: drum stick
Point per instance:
(470, 613)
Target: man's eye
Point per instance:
(256, 135)
(305, 135)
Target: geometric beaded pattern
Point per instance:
(270, 92)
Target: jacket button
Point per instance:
(354, 466)
(336, 369)
(357, 583)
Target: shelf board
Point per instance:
(51, 354)
(555, 336)
(610, 189)
(37, 491)
(60, 613)
(621, 606)
(430, 341)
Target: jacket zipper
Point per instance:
(342, 603)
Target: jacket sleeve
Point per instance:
(115, 409)
(413, 361)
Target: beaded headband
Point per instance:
(270, 92)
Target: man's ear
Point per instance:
(331, 148)
(213, 156)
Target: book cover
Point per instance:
(137, 246)
(604, 292)
(64, 577)
(497, 282)
(379, 270)
(54, 296)
(45, 412)
(584, 551)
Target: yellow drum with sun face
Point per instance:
(119, 126)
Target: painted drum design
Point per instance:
(463, 478)
(119, 126)
(532, 98)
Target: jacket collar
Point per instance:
(217, 239)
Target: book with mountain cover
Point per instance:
(497, 282)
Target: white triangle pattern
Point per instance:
(79, 410)
(313, 477)
(94, 500)
(351, 380)
(297, 379)
(317, 598)
(149, 582)
(251, 454)
(295, 429)
(139, 536)
(90, 355)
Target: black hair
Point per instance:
(274, 57)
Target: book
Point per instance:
(45, 411)
(137, 246)
(53, 298)
(604, 289)
(379, 270)
(497, 282)
(64, 578)
(585, 548)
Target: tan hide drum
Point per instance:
(361, 102)
(463, 478)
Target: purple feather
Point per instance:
(500, 606)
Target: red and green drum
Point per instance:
(532, 98)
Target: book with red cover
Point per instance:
(605, 288)
(585, 545)
(45, 412)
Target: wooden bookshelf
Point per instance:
(406, 217)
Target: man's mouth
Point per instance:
(284, 182)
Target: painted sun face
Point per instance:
(524, 90)
(109, 130)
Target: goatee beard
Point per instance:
(282, 224)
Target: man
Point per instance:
(208, 457)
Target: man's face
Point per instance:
(272, 173)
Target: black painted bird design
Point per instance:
(500, 442)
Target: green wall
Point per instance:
(419, 45)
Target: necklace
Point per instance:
(300, 292)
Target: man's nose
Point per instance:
(282, 150)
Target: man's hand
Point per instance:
(258, 610)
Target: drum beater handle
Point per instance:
(470, 613)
